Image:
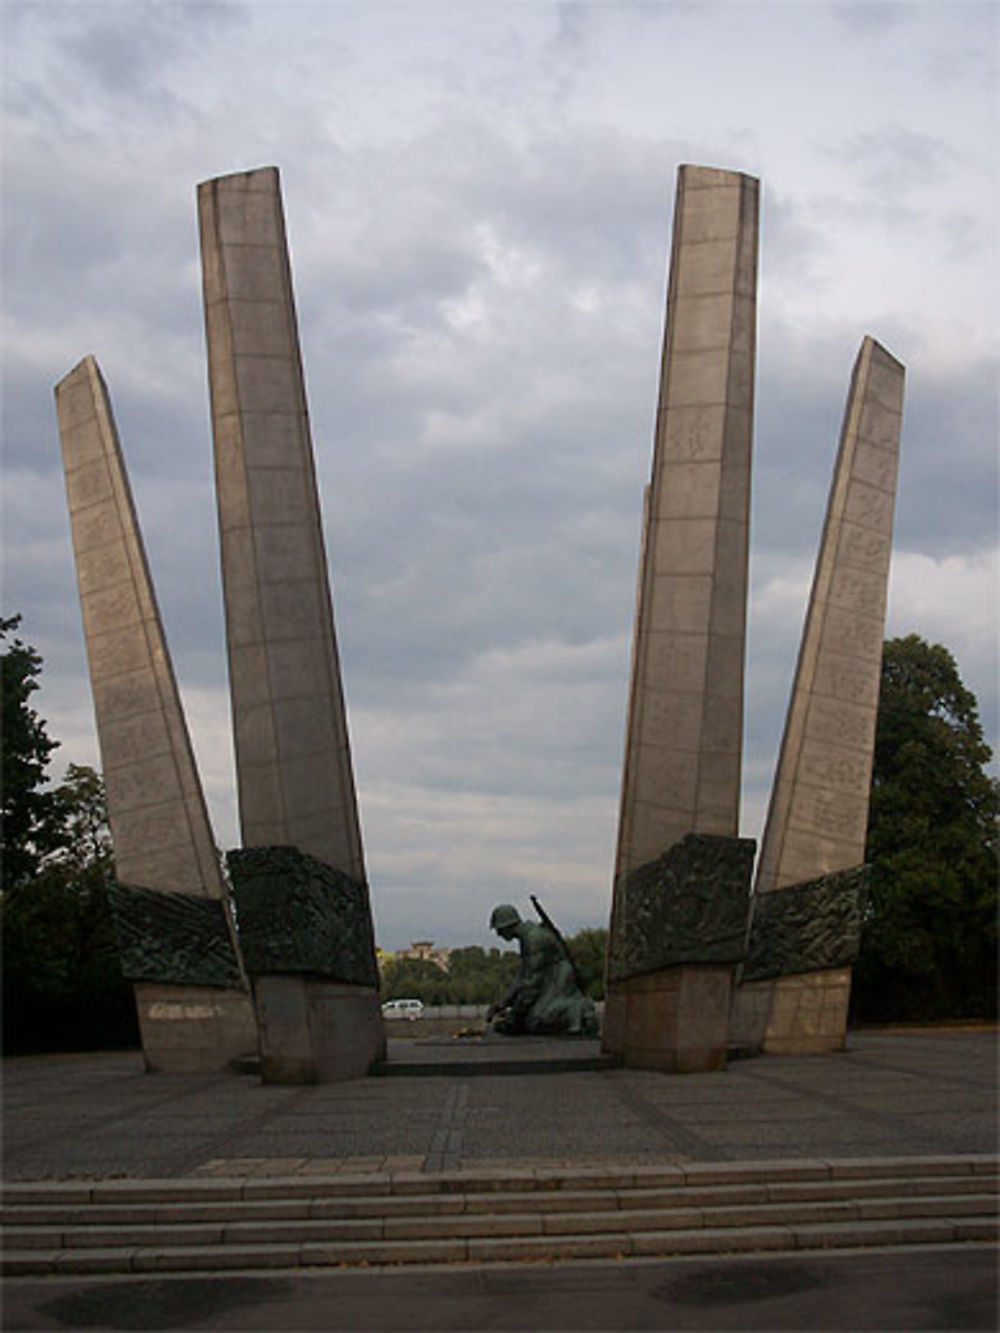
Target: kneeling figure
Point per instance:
(545, 999)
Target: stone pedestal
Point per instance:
(675, 1020)
(315, 1031)
(804, 1014)
(193, 1029)
(177, 938)
(309, 948)
(670, 977)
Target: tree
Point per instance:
(27, 808)
(480, 976)
(62, 981)
(929, 943)
(588, 948)
(474, 976)
(414, 978)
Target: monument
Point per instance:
(300, 879)
(806, 920)
(668, 994)
(682, 917)
(175, 927)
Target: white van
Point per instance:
(410, 1009)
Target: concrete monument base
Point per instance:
(674, 1020)
(316, 1031)
(802, 1014)
(193, 1029)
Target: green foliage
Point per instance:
(480, 976)
(414, 979)
(929, 946)
(28, 831)
(62, 982)
(589, 947)
(474, 976)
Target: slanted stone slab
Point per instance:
(684, 733)
(294, 770)
(818, 815)
(296, 785)
(685, 719)
(162, 839)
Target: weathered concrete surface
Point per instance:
(296, 783)
(818, 816)
(684, 730)
(159, 824)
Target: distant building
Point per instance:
(425, 951)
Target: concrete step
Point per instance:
(485, 1249)
(786, 1172)
(283, 1232)
(332, 1197)
(183, 1226)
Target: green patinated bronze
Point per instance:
(688, 906)
(175, 938)
(807, 927)
(298, 915)
(545, 998)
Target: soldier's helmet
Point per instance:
(504, 916)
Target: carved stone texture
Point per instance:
(298, 915)
(174, 938)
(688, 906)
(808, 927)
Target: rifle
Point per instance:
(546, 920)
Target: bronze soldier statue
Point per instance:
(545, 999)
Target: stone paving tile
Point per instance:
(93, 1116)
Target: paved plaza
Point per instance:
(922, 1092)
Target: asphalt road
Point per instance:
(930, 1288)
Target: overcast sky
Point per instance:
(479, 198)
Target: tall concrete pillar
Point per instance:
(296, 785)
(806, 914)
(172, 914)
(668, 987)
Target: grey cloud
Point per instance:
(791, 250)
(871, 18)
(948, 492)
(481, 311)
(895, 158)
(128, 48)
